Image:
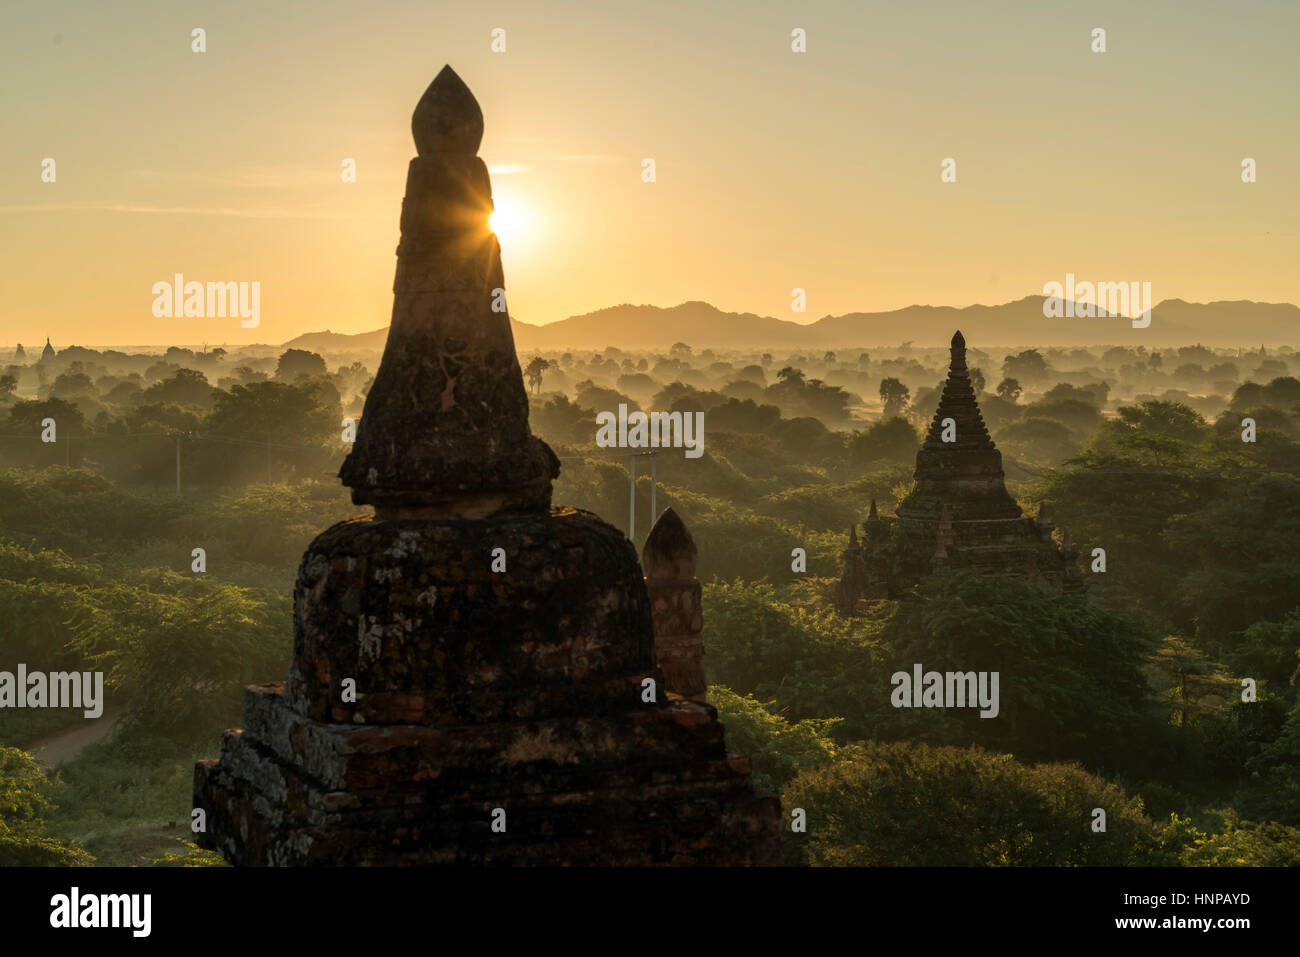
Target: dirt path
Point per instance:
(62, 746)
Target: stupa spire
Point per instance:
(958, 402)
(965, 471)
(501, 650)
(444, 432)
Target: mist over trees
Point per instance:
(1130, 698)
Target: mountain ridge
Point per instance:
(1019, 322)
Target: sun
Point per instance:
(511, 222)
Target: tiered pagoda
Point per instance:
(958, 515)
(474, 676)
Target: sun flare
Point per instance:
(510, 222)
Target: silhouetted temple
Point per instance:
(958, 515)
(474, 677)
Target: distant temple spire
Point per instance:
(967, 471)
(445, 428)
(958, 514)
(48, 351)
(958, 403)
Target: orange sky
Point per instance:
(775, 169)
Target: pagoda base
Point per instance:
(651, 787)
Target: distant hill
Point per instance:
(339, 342)
(703, 326)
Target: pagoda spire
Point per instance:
(964, 473)
(444, 432)
(958, 403)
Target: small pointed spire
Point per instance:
(958, 354)
(871, 515)
(853, 536)
(670, 551)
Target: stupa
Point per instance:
(473, 677)
(958, 515)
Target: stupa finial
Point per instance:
(447, 119)
(958, 357)
(670, 552)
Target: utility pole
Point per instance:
(631, 505)
(631, 508)
(653, 513)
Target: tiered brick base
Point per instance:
(648, 788)
(476, 690)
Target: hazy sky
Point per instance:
(775, 169)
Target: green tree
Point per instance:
(24, 804)
(1197, 685)
(294, 413)
(894, 396)
(187, 387)
(1029, 366)
(907, 804)
(26, 417)
(180, 660)
(299, 363)
(790, 376)
(560, 420)
(1072, 673)
(1236, 561)
(892, 439)
(534, 372)
(1274, 775)
(777, 748)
